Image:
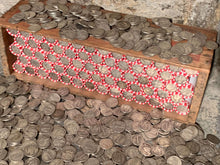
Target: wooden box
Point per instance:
(201, 64)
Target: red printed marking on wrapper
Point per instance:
(141, 98)
(53, 76)
(154, 101)
(187, 90)
(42, 73)
(15, 46)
(103, 88)
(182, 108)
(90, 85)
(115, 92)
(12, 34)
(18, 64)
(77, 82)
(167, 105)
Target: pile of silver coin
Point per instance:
(41, 126)
(122, 31)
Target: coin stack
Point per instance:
(45, 126)
(131, 78)
(122, 31)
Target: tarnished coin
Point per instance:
(185, 59)
(189, 133)
(58, 132)
(80, 156)
(111, 102)
(157, 150)
(48, 155)
(211, 45)
(68, 153)
(30, 148)
(152, 51)
(3, 143)
(176, 140)
(174, 160)
(92, 161)
(145, 149)
(137, 139)
(106, 144)
(126, 108)
(32, 161)
(156, 113)
(43, 141)
(24, 7)
(207, 150)
(134, 161)
(71, 126)
(89, 146)
(164, 45)
(163, 141)
(137, 116)
(49, 25)
(47, 108)
(145, 125)
(20, 101)
(15, 138)
(166, 54)
(182, 151)
(118, 157)
(4, 133)
(34, 27)
(166, 125)
(117, 126)
(213, 139)
(153, 133)
(57, 162)
(216, 159)
(193, 147)
(16, 155)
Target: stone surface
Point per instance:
(209, 114)
(202, 13)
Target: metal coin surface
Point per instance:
(34, 27)
(211, 45)
(185, 59)
(118, 157)
(106, 144)
(213, 139)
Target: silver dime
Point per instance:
(152, 51)
(49, 25)
(16, 155)
(211, 45)
(123, 25)
(48, 155)
(185, 59)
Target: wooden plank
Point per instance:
(199, 63)
(7, 58)
(175, 116)
(3, 54)
(198, 96)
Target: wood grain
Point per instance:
(7, 58)
(198, 96)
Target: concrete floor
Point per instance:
(209, 115)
